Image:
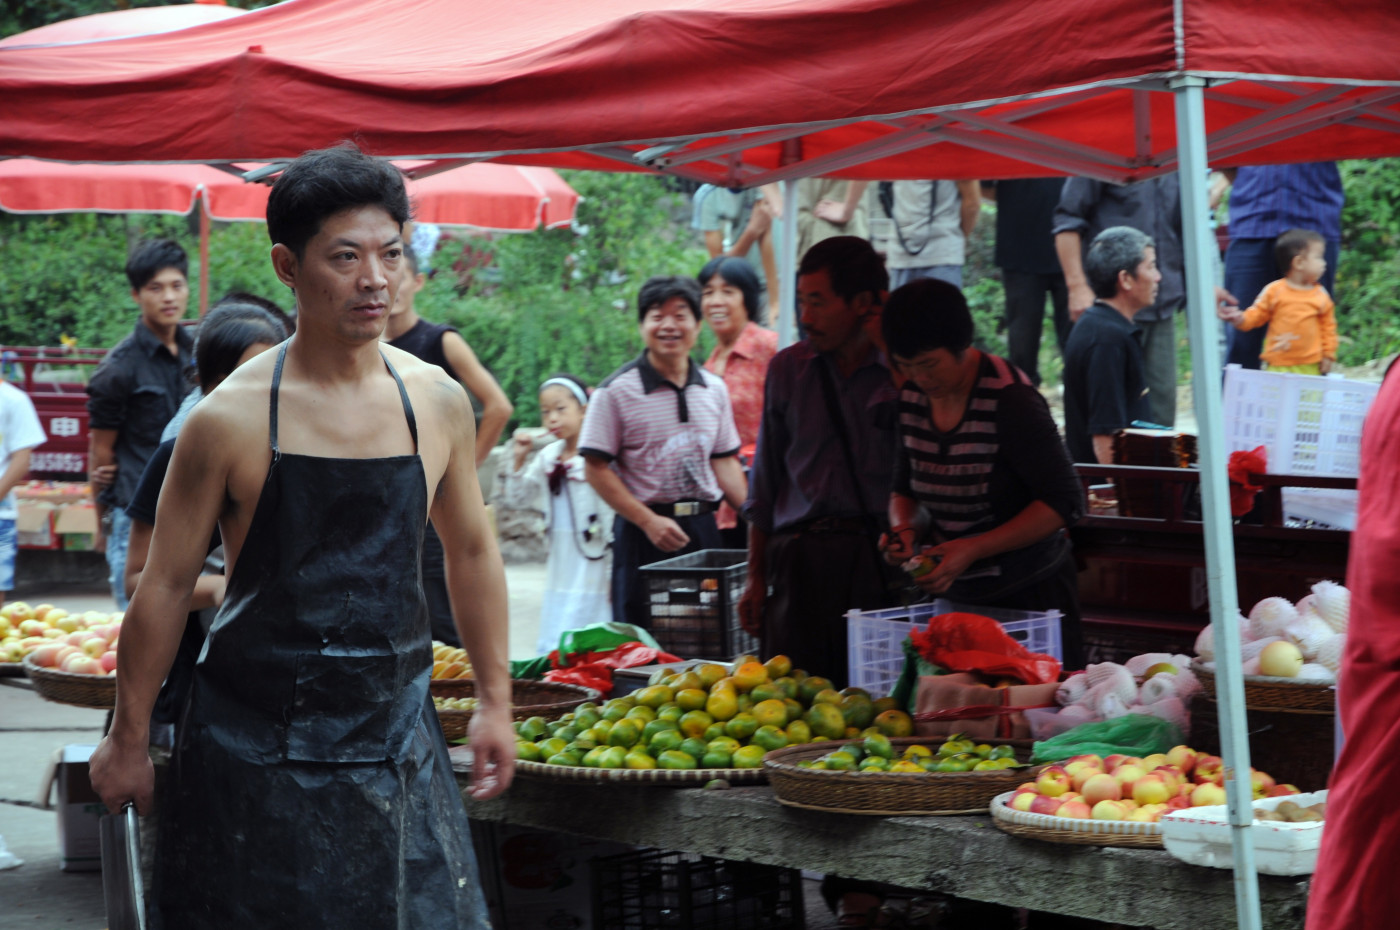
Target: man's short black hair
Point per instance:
(153, 256)
(324, 182)
(1292, 244)
(738, 272)
(852, 265)
(656, 291)
(925, 315)
(1116, 249)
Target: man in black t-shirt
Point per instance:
(1030, 269)
(1105, 388)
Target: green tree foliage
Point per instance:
(553, 300)
(21, 15)
(1368, 273)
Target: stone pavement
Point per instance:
(38, 895)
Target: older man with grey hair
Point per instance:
(1105, 387)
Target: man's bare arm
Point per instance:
(208, 589)
(496, 408)
(1068, 248)
(732, 482)
(190, 503)
(1103, 449)
(971, 193)
(102, 467)
(15, 471)
(476, 586)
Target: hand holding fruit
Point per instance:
(952, 558)
(898, 544)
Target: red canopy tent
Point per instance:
(743, 92)
(727, 90)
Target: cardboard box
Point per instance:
(78, 811)
(77, 542)
(34, 525)
(76, 518)
(536, 878)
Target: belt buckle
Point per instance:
(685, 508)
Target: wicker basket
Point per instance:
(1285, 695)
(546, 699)
(675, 778)
(1051, 829)
(96, 691)
(887, 794)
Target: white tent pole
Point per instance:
(1199, 241)
(787, 268)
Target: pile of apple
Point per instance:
(1123, 787)
(85, 644)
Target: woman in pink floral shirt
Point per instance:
(731, 300)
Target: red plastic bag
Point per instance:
(594, 669)
(1242, 465)
(962, 642)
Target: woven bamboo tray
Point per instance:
(675, 778)
(97, 691)
(888, 794)
(1285, 695)
(1051, 829)
(546, 699)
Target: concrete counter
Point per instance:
(963, 856)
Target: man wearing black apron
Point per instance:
(310, 785)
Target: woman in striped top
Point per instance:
(983, 486)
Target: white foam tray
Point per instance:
(1201, 836)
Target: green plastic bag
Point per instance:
(1129, 735)
(906, 688)
(600, 637)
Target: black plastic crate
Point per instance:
(653, 889)
(695, 604)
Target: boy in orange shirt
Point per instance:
(1302, 336)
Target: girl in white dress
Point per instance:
(578, 522)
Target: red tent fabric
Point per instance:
(498, 198)
(884, 88)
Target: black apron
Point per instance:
(310, 785)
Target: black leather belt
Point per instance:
(684, 508)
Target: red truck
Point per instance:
(56, 381)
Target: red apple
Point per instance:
(1127, 773)
(77, 638)
(1053, 781)
(1280, 791)
(1151, 789)
(1179, 803)
(1102, 787)
(109, 661)
(1075, 810)
(82, 665)
(1112, 762)
(94, 646)
(46, 656)
(1109, 810)
(1210, 769)
(1183, 757)
(1207, 794)
(1261, 782)
(1045, 805)
(32, 627)
(1154, 760)
(1081, 777)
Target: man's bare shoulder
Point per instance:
(239, 406)
(447, 398)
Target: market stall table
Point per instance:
(962, 856)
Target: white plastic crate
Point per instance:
(875, 638)
(1309, 425)
(1203, 836)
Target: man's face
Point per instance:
(669, 329)
(163, 299)
(1140, 287)
(829, 320)
(410, 283)
(348, 275)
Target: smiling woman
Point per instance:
(730, 302)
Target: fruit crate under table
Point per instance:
(695, 604)
(653, 889)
